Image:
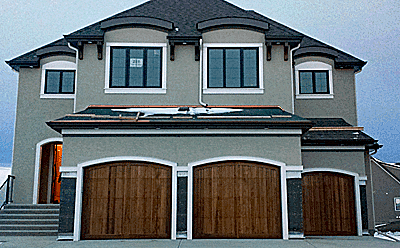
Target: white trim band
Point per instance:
(181, 131)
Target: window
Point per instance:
(397, 204)
(231, 68)
(58, 80)
(135, 68)
(314, 80)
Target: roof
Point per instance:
(336, 132)
(180, 117)
(189, 19)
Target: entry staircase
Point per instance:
(29, 220)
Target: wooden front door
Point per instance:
(237, 200)
(126, 200)
(328, 204)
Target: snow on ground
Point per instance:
(394, 237)
(4, 172)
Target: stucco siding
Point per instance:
(30, 127)
(182, 73)
(352, 161)
(385, 188)
(343, 103)
(181, 150)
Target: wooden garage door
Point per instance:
(126, 200)
(328, 204)
(237, 200)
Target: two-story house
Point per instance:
(196, 119)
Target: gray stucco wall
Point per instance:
(352, 161)
(384, 190)
(30, 126)
(182, 73)
(181, 150)
(343, 105)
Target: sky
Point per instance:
(367, 29)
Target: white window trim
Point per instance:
(314, 66)
(259, 90)
(162, 90)
(57, 65)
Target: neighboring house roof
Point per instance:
(392, 169)
(336, 132)
(181, 117)
(189, 19)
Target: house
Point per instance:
(386, 187)
(193, 119)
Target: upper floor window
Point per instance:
(58, 80)
(232, 68)
(314, 80)
(135, 68)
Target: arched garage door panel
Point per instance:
(126, 200)
(329, 204)
(237, 200)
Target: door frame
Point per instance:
(79, 188)
(284, 207)
(357, 180)
(39, 145)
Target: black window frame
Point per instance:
(127, 66)
(60, 82)
(241, 67)
(314, 91)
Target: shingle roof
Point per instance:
(186, 14)
(335, 131)
(181, 117)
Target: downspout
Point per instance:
(76, 72)
(201, 76)
(292, 74)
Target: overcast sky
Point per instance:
(367, 29)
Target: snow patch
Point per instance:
(178, 110)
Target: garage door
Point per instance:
(329, 204)
(236, 200)
(126, 200)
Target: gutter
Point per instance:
(76, 76)
(292, 74)
(201, 76)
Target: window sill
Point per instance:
(57, 96)
(135, 91)
(210, 91)
(314, 96)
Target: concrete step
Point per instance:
(28, 216)
(24, 221)
(28, 233)
(29, 220)
(29, 211)
(32, 206)
(28, 227)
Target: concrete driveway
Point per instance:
(342, 242)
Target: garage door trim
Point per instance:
(79, 188)
(284, 209)
(357, 191)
